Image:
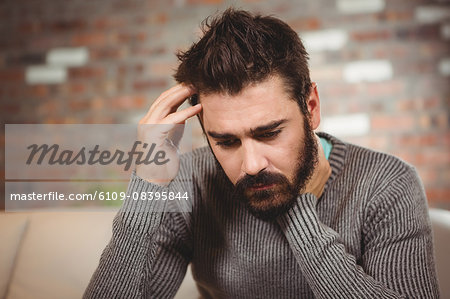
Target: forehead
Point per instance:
(255, 105)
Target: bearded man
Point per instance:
(278, 211)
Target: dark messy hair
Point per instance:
(238, 49)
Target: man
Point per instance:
(277, 210)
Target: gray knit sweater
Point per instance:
(367, 236)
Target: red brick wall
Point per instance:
(130, 46)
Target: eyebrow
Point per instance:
(259, 129)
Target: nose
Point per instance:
(253, 158)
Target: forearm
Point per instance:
(124, 263)
(331, 272)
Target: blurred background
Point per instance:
(382, 67)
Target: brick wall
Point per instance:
(382, 67)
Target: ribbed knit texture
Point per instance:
(368, 236)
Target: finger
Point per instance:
(173, 94)
(173, 101)
(167, 104)
(167, 93)
(180, 117)
(161, 98)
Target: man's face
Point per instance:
(263, 143)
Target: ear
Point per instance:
(313, 105)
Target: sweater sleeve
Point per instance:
(149, 251)
(397, 259)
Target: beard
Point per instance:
(268, 195)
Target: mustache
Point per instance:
(262, 178)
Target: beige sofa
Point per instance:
(53, 255)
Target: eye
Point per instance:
(269, 135)
(227, 143)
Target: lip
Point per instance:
(262, 187)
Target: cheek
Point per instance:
(285, 155)
(282, 161)
(230, 164)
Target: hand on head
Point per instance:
(163, 127)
